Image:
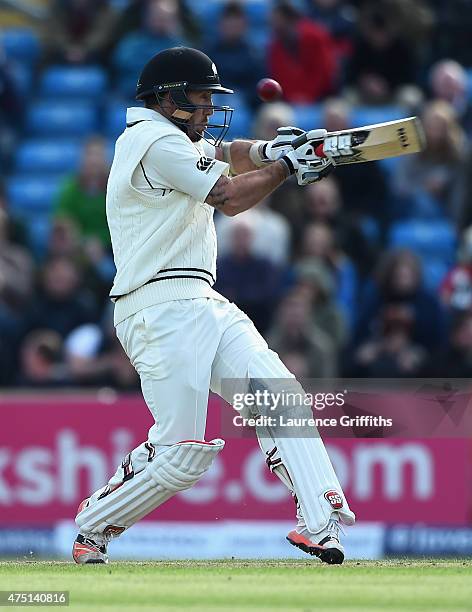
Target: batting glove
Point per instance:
(264, 151)
(304, 162)
(282, 143)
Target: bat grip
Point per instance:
(299, 141)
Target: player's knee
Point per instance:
(275, 388)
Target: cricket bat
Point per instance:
(373, 142)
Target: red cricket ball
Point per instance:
(269, 90)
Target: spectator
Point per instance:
(294, 332)
(314, 280)
(352, 178)
(271, 116)
(287, 198)
(16, 271)
(318, 243)
(11, 111)
(133, 16)
(449, 82)
(437, 174)
(90, 256)
(252, 282)
(160, 28)
(16, 284)
(390, 352)
(60, 304)
(453, 28)
(323, 204)
(14, 228)
(82, 198)
(234, 55)
(456, 288)
(9, 341)
(95, 357)
(398, 280)
(465, 216)
(338, 17)
(271, 233)
(297, 363)
(78, 31)
(301, 56)
(382, 61)
(454, 360)
(41, 362)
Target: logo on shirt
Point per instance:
(205, 164)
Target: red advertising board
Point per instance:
(55, 449)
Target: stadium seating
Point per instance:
(389, 166)
(79, 82)
(260, 39)
(209, 11)
(435, 240)
(434, 272)
(126, 85)
(367, 115)
(53, 156)
(308, 116)
(21, 45)
(115, 118)
(32, 194)
(22, 75)
(469, 78)
(38, 233)
(61, 118)
(110, 148)
(240, 126)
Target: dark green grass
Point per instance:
(303, 586)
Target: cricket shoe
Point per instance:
(328, 548)
(86, 550)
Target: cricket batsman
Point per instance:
(182, 337)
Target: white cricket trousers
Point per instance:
(181, 350)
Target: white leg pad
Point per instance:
(302, 461)
(314, 481)
(173, 469)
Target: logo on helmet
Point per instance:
(335, 499)
(213, 77)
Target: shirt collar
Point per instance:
(138, 113)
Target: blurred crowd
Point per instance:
(367, 273)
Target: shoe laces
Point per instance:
(102, 546)
(333, 528)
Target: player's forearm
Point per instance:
(233, 196)
(240, 159)
(237, 154)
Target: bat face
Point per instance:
(368, 143)
(381, 140)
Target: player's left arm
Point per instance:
(248, 155)
(238, 155)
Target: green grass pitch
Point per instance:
(301, 586)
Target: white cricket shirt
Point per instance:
(162, 231)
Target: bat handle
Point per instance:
(299, 141)
(315, 135)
